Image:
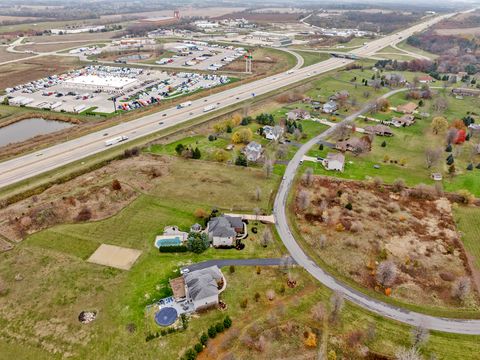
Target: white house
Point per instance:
(202, 287)
(272, 132)
(334, 161)
(330, 107)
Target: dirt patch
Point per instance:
(355, 226)
(115, 256)
(92, 196)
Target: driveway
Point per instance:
(240, 262)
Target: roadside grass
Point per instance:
(403, 45)
(467, 222)
(311, 58)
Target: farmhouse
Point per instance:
(381, 130)
(334, 161)
(272, 132)
(330, 107)
(200, 288)
(224, 230)
(405, 120)
(253, 151)
(407, 108)
(298, 114)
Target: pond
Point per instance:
(28, 128)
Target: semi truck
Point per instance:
(209, 107)
(115, 140)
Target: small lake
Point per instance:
(28, 128)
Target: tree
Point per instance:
(266, 238)
(439, 125)
(318, 312)
(386, 273)
(196, 153)
(241, 160)
(461, 288)
(432, 156)
(258, 193)
(200, 213)
(197, 242)
(179, 149)
(336, 303)
(221, 155)
(85, 214)
(308, 177)
(243, 135)
(303, 200)
(420, 336)
(451, 136)
(227, 322)
(268, 168)
(232, 269)
(116, 185)
(440, 104)
(212, 332)
(256, 297)
(408, 354)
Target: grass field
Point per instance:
(467, 221)
(403, 45)
(311, 58)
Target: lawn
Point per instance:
(467, 222)
(311, 58)
(403, 45)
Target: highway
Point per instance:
(29, 165)
(460, 326)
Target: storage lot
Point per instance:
(97, 86)
(200, 55)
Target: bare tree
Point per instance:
(461, 288)
(386, 273)
(303, 200)
(398, 185)
(308, 177)
(258, 193)
(408, 354)
(257, 212)
(282, 152)
(266, 238)
(322, 241)
(268, 168)
(432, 156)
(440, 104)
(451, 136)
(318, 312)
(270, 294)
(342, 130)
(420, 336)
(336, 302)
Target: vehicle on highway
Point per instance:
(115, 140)
(164, 114)
(290, 72)
(209, 107)
(160, 123)
(184, 104)
(105, 134)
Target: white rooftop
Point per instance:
(105, 81)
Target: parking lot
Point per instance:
(94, 88)
(200, 55)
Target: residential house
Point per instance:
(330, 107)
(408, 108)
(272, 132)
(334, 161)
(355, 145)
(465, 92)
(405, 120)
(200, 287)
(381, 130)
(395, 79)
(253, 151)
(343, 94)
(425, 79)
(298, 114)
(223, 230)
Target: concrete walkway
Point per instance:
(263, 218)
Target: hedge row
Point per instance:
(172, 249)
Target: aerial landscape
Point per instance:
(224, 180)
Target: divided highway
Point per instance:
(30, 165)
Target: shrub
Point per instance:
(384, 143)
(256, 297)
(173, 249)
(231, 269)
(244, 303)
(191, 354)
(200, 213)
(85, 214)
(227, 322)
(212, 137)
(116, 185)
(349, 206)
(198, 348)
(203, 339)
(212, 332)
(219, 327)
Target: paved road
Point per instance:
(240, 262)
(409, 317)
(33, 164)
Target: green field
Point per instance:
(311, 58)
(467, 222)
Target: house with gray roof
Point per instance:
(203, 286)
(330, 107)
(223, 230)
(298, 114)
(253, 151)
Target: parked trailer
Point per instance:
(115, 140)
(209, 107)
(79, 108)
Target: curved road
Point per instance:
(459, 326)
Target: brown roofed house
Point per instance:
(355, 145)
(405, 120)
(381, 130)
(407, 108)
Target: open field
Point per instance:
(7, 56)
(311, 58)
(459, 31)
(403, 45)
(28, 70)
(467, 222)
(421, 240)
(87, 37)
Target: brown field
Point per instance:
(72, 37)
(52, 47)
(24, 71)
(7, 56)
(417, 233)
(264, 17)
(62, 203)
(15, 18)
(459, 31)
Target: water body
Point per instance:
(28, 128)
